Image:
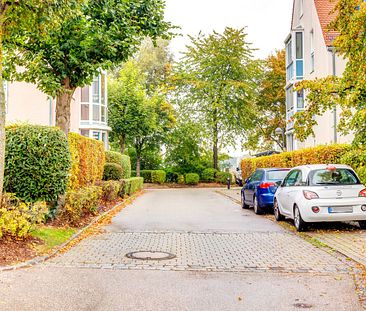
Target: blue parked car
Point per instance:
(259, 189)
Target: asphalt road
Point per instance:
(226, 259)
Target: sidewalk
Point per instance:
(344, 238)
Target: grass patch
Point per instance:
(52, 237)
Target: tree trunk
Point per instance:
(2, 112)
(122, 143)
(63, 107)
(138, 164)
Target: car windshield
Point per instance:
(339, 176)
(276, 175)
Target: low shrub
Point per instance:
(172, 177)
(316, 155)
(17, 218)
(112, 171)
(81, 202)
(181, 180)
(37, 162)
(88, 159)
(209, 175)
(146, 174)
(192, 178)
(111, 189)
(356, 158)
(130, 186)
(120, 159)
(126, 166)
(222, 177)
(158, 176)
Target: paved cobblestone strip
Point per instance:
(234, 252)
(351, 244)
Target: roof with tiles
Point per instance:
(326, 16)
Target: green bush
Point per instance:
(181, 180)
(133, 173)
(37, 162)
(126, 166)
(112, 171)
(209, 175)
(80, 202)
(146, 174)
(221, 177)
(192, 178)
(113, 157)
(130, 186)
(111, 190)
(18, 218)
(356, 158)
(172, 177)
(120, 159)
(158, 176)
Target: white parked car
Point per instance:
(321, 193)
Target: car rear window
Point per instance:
(276, 175)
(339, 176)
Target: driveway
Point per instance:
(225, 258)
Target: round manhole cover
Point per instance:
(150, 255)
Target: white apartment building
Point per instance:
(25, 103)
(310, 55)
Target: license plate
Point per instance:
(340, 209)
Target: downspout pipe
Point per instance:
(334, 73)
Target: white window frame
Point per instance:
(101, 103)
(312, 52)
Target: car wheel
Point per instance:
(362, 224)
(300, 224)
(243, 204)
(277, 212)
(257, 209)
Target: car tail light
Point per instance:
(362, 193)
(266, 185)
(310, 195)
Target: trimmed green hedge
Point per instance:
(221, 177)
(209, 175)
(126, 166)
(146, 175)
(130, 186)
(37, 162)
(120, 159)
(111, 190)
(158, 176)
(112, 171)
(192, 178)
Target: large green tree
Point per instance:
(216, 82)
(137, 118)
(348, 92)
(95, 35)
(270, 106)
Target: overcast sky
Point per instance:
(267, 21)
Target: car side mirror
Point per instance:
(279, 183)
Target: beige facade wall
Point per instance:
(323, 66)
